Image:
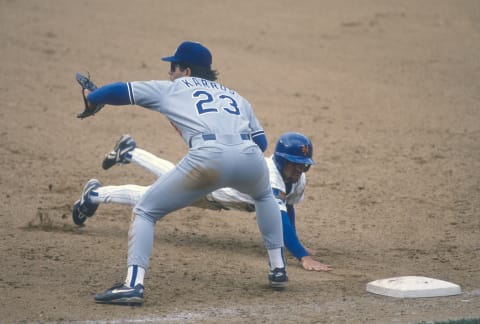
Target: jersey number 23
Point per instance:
(205, 98)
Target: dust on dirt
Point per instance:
(387, 91)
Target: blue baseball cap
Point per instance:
(191, 53)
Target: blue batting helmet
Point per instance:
(293, 147)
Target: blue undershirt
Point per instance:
(290, 238)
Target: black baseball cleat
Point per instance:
(278, 278)
(84, 207)
(119, 154)
(120, 294)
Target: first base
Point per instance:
(413, 287)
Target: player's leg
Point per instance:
(177, 189)
(123, 194)
(268, 213)
(130, 195)
(150, 162)
(229, 199)
(270, 224)
(126, 151)
(94, 194)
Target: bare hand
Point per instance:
(309, 264)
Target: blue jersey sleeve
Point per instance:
(111, 94)
(291, 215)
(290, 238)
(260, 139)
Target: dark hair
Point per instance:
(199, 71)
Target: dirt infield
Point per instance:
(388, 91)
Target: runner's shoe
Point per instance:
(120, 294)
(278, 278)
(84, 207)
(120, 152)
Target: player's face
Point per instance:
(293, 171)
(175, 71)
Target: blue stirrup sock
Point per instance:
(135, 276)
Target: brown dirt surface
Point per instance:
(388, 91)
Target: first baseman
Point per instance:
(225, 142)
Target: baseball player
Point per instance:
(225, 142)
(288, 191)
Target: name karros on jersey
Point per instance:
(196, 82)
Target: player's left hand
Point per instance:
(309, 264)
(87, 86)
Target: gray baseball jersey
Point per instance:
(217, 124)
(216, 109)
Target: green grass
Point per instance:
(461, 321)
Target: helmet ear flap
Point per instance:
(279, 162)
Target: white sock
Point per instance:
(276, 258)
(135, 275)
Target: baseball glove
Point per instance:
(86, 83)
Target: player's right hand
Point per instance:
(309, 264)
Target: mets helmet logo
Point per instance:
(305, 150)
